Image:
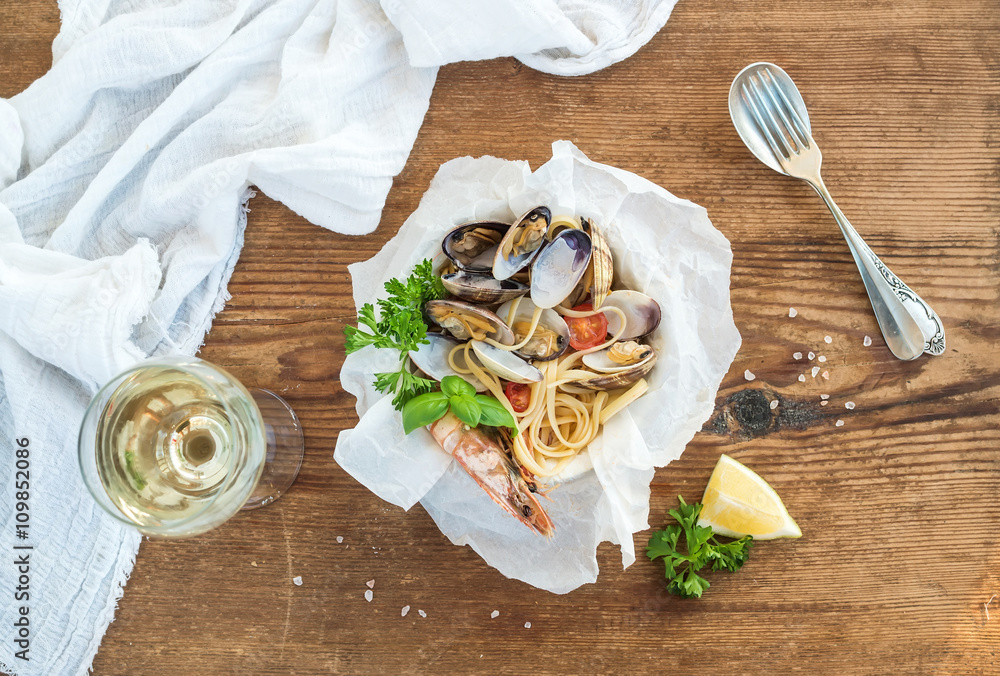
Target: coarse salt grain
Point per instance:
(868, 341)
(840, 423)
(792, 312)
(421, 613)
(371, 584)
(802, 378)
(369, 595)
(404, 611)
(821, 358)
(823, 403)
(826, 375)
(495, 614)
(527, 625)
(297, 580)
(340, 539)
(797, 355)
(812, 355)
(748, 375)
(774, 404)
(824, 396)
(815, 370)
(827, 339)
(849, 405)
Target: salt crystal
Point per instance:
(824, 396)
(371, 584)
(792, 312)
(748, 375)
(527, 625)
(840, 423)
(802, 378)
(815, 370)
(849, 405)
(297, 580)
(797, 355)
(868, 341)
(823, 403)
(340, 539)
(369, 595)
(404, 611)
(826, 375)
(774, 404)
(827, 339)
(421, 613)
(812, 355)
(495, 614)
(822, 358)
(253, 563)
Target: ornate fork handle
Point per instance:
(901, 313)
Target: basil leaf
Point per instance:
(466, 409)
(495, 414)
(423, 410)
(454, 386)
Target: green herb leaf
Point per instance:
(466, 409)
(495, 414)
(454, 386)
(423, 410)
(700, 547)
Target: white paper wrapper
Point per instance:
(663, 246)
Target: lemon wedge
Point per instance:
(738, 502)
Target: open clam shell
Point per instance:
(559, 266)
(522, 242)
(642, 314)
(432, 359)
(466, 321)
(551, 336)
(611, 375)
(482, 288)
(473, 246)
(505, 364)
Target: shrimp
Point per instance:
(482, 456)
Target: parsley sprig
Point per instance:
(399, 325)
(700, 549)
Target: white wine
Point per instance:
(169, 445)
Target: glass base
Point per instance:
(285, 449)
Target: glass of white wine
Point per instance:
(174, 446)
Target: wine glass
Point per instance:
(174, 446)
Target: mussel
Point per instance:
(473, 246)
(559, 266)
(466, 321)
(480, 288)
(522, 242)
(642, 314)
(505, 364)
(550, 338)
(432, 359)
(617, 366)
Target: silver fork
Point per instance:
(771, 118)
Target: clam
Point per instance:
(550, 338)
(479, 288)
(466, 321)
(642, 313)
(505, 364)
(522, 242)
(617, 366)
(601, 264)
(473, 246)
(560, 265)
(432, 359)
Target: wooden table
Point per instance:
(899, 506)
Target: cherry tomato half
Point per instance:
(586, 332)
(519, 396)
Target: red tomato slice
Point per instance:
(586, 332)
(519, 396)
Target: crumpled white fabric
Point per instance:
(124, 177)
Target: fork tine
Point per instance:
(797, 123)
(776, 128)
(778, 152)
(789, 128)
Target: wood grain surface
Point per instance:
(898, 506)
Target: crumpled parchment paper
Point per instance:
(663, 246)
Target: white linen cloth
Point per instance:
(124, 177)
